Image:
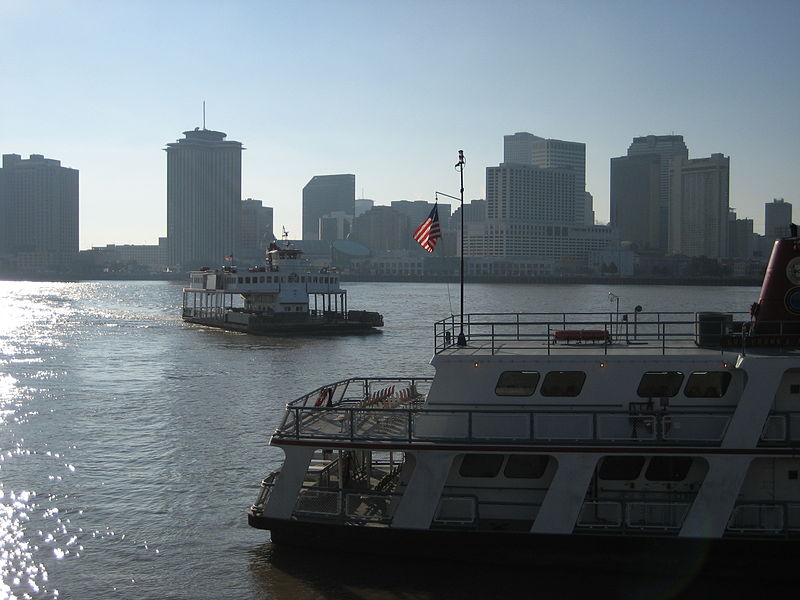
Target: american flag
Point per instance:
(429, 232)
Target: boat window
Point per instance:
(621, 468)
(241, 279)
(563, 383)
(668, 468)
(707, 384)
(516, 383)
(520, 466)
(480, 465)
(660, 384)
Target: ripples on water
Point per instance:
(131, 443)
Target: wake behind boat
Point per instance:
(284, 297)
(609, 440)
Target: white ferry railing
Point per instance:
(648, 331)
(390, 410)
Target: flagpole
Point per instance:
(462, 339)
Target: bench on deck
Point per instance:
(581, 335)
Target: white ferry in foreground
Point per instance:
(664, 441)
(286, 296)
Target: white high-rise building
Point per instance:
(530, 212)
(527, 149)
(38, 211)
(204, 199)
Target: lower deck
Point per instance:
(648, 494)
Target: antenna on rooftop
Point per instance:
(204, 115)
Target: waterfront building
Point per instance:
(777, 218)
(335, 226)
(362, 205)
(639, 201)
(741, 240)
(635, 200)
(39, 205)
(524, 148)
(204, 194)
(699, 208)
(323, 195)
(151, 258)
(256, 230)
(530, 212)
(382, 229)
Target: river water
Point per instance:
(131, 443)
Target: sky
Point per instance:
(390, 91)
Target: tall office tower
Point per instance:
(256, 228)
(740, 237)
(38, 211)
(777, 218)
(666, 147)
(636, 200)
(382, 229)
(204, 199)
(527, 149)
(326, 194)
(699, 209)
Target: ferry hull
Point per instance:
(631, 553)
(308, 326)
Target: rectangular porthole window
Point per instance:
(661, 384)
(480, 465)
(563, 383)
(707, 384)
(517, 383)
(520, 466)
(621, 468)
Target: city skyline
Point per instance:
(332, 89)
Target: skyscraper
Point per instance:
(636, 200)
(777, 218)
(665, 147)
(204, 193)
(699, 206)
(38, 211)
(640, 203)
(256, 230)
(530, 212)
(326, 194)
(527, 149)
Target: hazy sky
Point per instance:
(391, 91)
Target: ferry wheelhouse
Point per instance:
(285, 296)
(559, 437)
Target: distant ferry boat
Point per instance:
(284, 297)
(666, 441)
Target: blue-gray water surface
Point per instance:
(131, 443)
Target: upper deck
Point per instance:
(612, 333)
